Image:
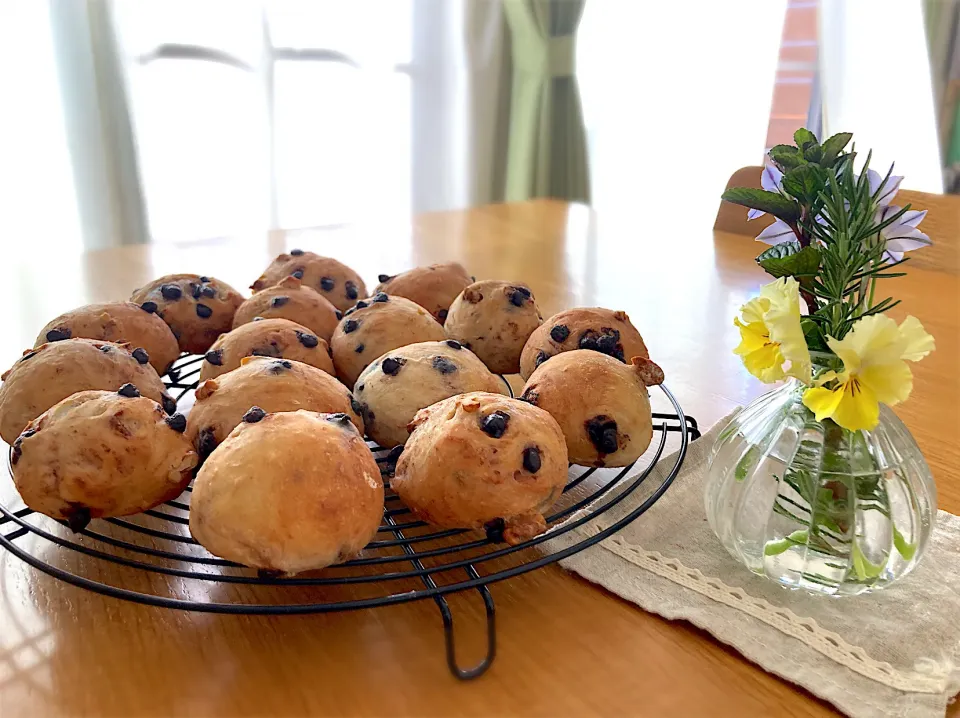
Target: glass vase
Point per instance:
(815, 506)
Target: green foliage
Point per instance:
(838, 255)
(776, 204)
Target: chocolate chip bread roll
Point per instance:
(291, 300)
(433, 287)
(118, 322)
(197, 309)
(99, 453)
(335, 281)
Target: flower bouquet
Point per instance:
(817, 484)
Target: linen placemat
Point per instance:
(891, 653)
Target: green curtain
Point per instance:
(547, 146)
(942, 19)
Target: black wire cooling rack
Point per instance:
(408, 561)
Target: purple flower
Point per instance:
(770, 180)
(903, 235)
(890, 187)
(777, 233)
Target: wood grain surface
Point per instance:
(565, 647)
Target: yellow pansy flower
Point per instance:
(875, 353)
(771, 335)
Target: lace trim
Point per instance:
(933, 679)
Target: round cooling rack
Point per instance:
(407, 561)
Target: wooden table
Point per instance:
(566, 647)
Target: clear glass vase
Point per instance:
(811, 505)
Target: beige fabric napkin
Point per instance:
(892, 653)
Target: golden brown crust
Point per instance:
(373, 328)
(465, 465)
(417, 376)
(334, 280)
(494, 319)
(116, 322)
(52, 372)
(433, 287)
(607, 424)
(314, 472)
(102, 454)
(291, 300)
(197, 309)
(276, 338)
(273, 385)
(609, 332)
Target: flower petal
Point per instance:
(912, 217)
(776, 233)
(770, 178)
(890, 383)
(858, 409)
(822, 402)
(889, 189)
(917, 342)
(754, 213)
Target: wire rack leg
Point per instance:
(464, 674)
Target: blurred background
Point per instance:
(132, 121)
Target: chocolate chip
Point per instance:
(203, 311)
(531, 459)
(384, 278)
(171, 292)
(308, 340)
(542, 356)
(517, 298)
(296, 252)
(391, 366)
(607, 344)
(279, 301)
(206, 442)
(177, 422)
(16, 455)
(208, 292)
(524, 291)
(352, 290)
(196, 290)
(350, 326)
(559, 333)
(149, 307)
(173, 375)
(58, 335)
(277, 367)
(454, 344)
(495, 424)
(339, 418)
(444, 365)
(602, 431)
(360, 387)
(169, 404)
(204, 279)
(214, 356)
(141, 356)
(381, 297)
(106, 348)
(588, 340)
(359, 348)
(327, 284)
(494, 530)
(298, 273)
(442, 315)
(530, 396)
(338, 313)
(129, 391)
(78, 519)
(253, 415)
(356, 406)
(359, 305)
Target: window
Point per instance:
(283, 113)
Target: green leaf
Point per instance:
(833, 147)
(746, 463)
(790, 260)
(771, 202)
(812, 332)
(813, 153)
(803, 137)
(775, 548)
(786, 157)
(805, 183)
(907, 550)
(862, 566)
